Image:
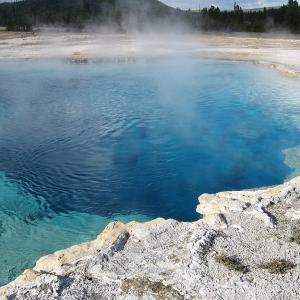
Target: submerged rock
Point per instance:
(78, 58)
(243, 248)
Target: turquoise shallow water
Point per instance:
(30, 229)
(81, 146)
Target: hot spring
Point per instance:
(81, 146)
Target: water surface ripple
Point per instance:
(83, 145)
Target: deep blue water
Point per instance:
(83, 145)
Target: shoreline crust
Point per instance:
(279, 52)
(121, 256)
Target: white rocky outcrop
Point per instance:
(224, 255)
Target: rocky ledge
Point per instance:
(246, 247)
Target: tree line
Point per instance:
(23, 15)
(77, 14)
(286, 17)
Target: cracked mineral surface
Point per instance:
(246, 246)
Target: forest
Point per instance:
(286, 17)
(126, 15)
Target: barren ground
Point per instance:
(281, 52)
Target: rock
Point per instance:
(166, 259)
(110, 238)
(78, 58)
(293, 214)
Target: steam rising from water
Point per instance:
(83, 145)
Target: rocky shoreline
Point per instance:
(246, 246)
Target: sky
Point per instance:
(225, 4)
